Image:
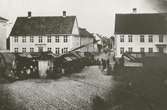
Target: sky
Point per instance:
(97, 16)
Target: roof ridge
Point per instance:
(43, 16)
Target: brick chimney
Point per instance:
(64, 13)
(29, 14)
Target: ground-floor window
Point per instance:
(40, 49)
(64, 50)
(49, 49)
(57, 51)
(16, 50)
(31, 49)
(150, 50)
(142, 50)
(121, 50)
(23, 49)
(130, 49)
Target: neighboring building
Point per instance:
(58, 34)
(3, 33)
(87, 39)
(145, 32)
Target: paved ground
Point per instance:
(67, 93)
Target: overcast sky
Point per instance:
(95, 15)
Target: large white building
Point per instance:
(58, 34)
(3, 33)
(144, 32)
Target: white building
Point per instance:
(87, 39)
(58, 34)
(3, 33)
(145, 32)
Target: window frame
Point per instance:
(40, 39)
(57, 51)
(142, 49)
(16, 39)
(57, 39)
(31, 49)
(31, 39)
(142, 39)
(23, 39)
(150, 38)
(49, 49)
(24, 49)
(150, 48)
(65, 38)
(122, 38)
(130, 38)
(49, 39)
(16, 48)
(161, 38)
(122, 50)
(130, 49)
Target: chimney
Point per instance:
(64, 13)
(29, 14)
(134, 10)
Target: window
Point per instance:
(23, 49)
(40, 49)
(57, 39)
(130, 49)
(129, 38)
(150, 38)
(142, 50)
(16, 50)
(150, 50)
(161, 38)
(31, 39)
(64, 50)
(57, 51)
(121, 50)
(141, 38)
(49, 49)
(40, 40)
(65, 38)
(49, 39)
(24, 39)
(31, 49)
(16, 39)
(121, 38)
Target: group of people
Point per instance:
(103, 64)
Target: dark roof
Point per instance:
(152, 23)
(43, 25)
(84, 33)
(3, 19)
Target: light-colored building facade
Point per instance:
(58, 34)
(145, 33)
(87, 39)
(3, 33)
